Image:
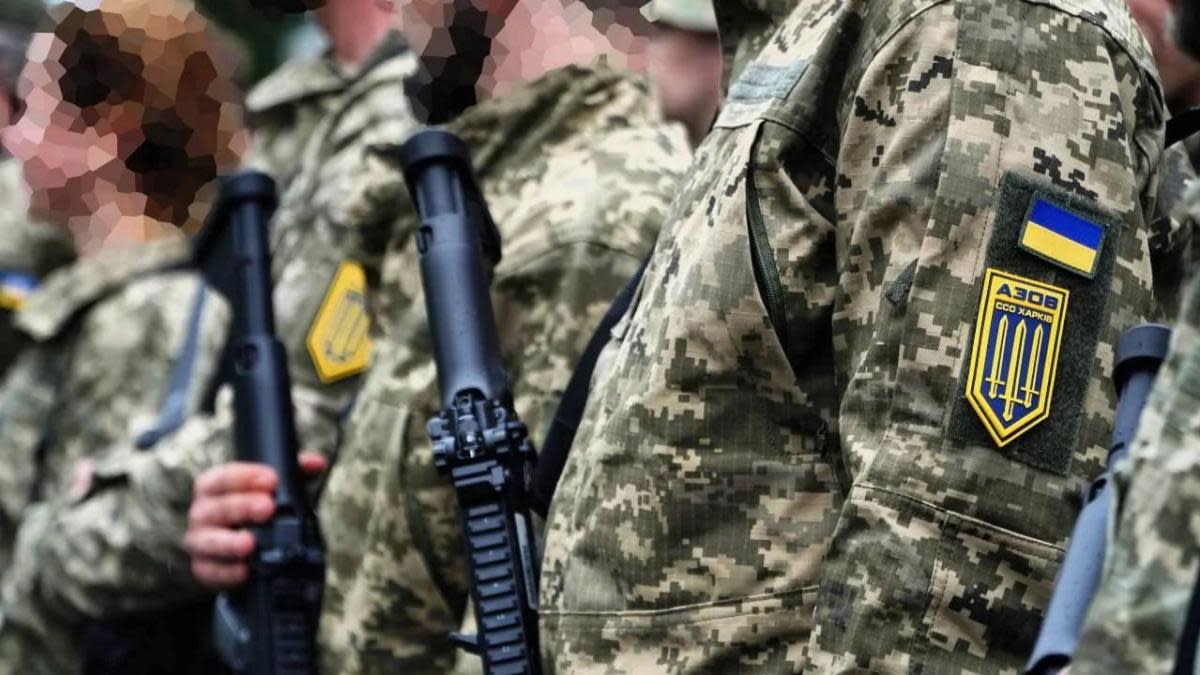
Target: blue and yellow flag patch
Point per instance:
(1062, 237)
(15, 287)
(1014, 355)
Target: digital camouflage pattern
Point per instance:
(120, 548)
(104, 332)
(1176, 218)
(578, 168)
(1137, 617)
(784, 489)
(28, 249)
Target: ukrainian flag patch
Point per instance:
(15, 287)
(1014, 358)
(1061, 236)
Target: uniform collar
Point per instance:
(72, 289)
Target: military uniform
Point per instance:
(118, 549)
(577, 167)
(28, 251)
(105, 331)
(1137, 617)
(821, 446)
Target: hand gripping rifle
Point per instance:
(267, 626)
(477, 439)
(1140, 352)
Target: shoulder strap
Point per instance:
(560, 435)
(173, 412)
(1182, 126)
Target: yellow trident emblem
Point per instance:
(1014, 354)
(1015, 391)
(339, 341)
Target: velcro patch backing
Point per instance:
(1050, 443)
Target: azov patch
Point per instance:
(1015, 353)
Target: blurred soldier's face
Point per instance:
(685, 67)
(61, 154)
(1180, 73)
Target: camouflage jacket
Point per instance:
(105, 331)
(821, 446)
(118, 549)
(1137, 617)
(577, 167)
(28, 251)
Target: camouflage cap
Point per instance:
(693, 15)
(27, 13)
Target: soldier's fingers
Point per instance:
(230, 510)
(219, 575)
(236, 477)
(215, 542)
(313, 463)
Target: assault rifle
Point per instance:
(267, 626)
(478, 441)
(1140, 352)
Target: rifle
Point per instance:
(478, 440)
(1140, 352)
(268, 626)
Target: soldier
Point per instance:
(29, 249)
(850, 412)
(113, 549)
(1143, 619)
(119, 156)
(578, 166)
(684, 62)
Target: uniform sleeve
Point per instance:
(115, 546)
(1172, 229)
(974, 128)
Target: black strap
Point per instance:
(1183, 126)
(173, 412)
(560, 435)
(1185, 655)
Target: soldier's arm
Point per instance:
(957, 504)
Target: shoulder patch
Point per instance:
(1061, 236)
(1042, 434)
(1014, 357)
(339, 341)
(14, 288)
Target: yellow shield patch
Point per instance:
(338, 340)
(1014, 354)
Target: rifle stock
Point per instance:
(478, 440)
(268, 626)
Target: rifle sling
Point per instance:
(557, 444)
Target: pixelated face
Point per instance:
(57, 148)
